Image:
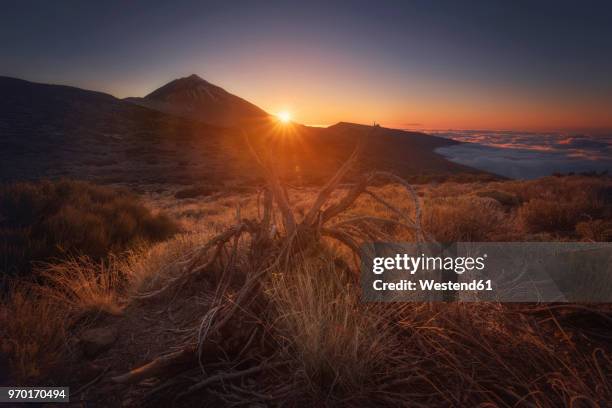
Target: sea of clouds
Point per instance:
(528, 155)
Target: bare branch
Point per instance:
(372, 219)
(229, 376)
(220, 239)
(346, 202)
(343, 237)
(267, 210)
(276, 188)
(158, 366)
(411, 191)
(331, 185)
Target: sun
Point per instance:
(284, 116)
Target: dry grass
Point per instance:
(85, 287)
(346, 353)
(148, 268)
(595, 230)
(337, 344)
(339, 351)
(39, 319)
(498, 355)
(33, 332)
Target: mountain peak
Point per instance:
(192, 96)
(189, 84)
(194, 77)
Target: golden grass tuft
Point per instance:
(338, 343)
(86, 287)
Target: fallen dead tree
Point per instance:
(269, 245)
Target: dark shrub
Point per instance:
(52, 219)
(505, 199)
(193, 192)
(541, 215)
(557, 204)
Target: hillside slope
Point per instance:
(60, 131)
(54, 130)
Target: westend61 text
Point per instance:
(431, 285)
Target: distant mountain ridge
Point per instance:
(57, 130)
(196, 98)
(61, 131)
(44, 102)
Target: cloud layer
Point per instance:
(525, 155)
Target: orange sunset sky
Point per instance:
(429, 65)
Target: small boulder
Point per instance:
(93, 342)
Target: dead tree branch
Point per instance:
(268, 250)
(331, 185)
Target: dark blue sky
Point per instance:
(436, 64)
